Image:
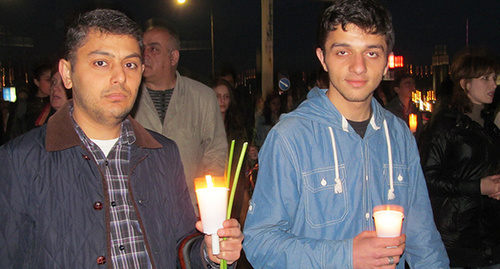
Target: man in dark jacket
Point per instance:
(93, 187)
(402, 105)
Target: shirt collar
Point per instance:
(61, 133)
(127, 135)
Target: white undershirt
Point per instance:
(105, 145)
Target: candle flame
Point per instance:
(413, 122)
(210, 183)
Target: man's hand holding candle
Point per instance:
(371, 251)
(230, 248)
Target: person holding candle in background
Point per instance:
(93, 187)
(461, 162)
(402, 105)
(326, 165)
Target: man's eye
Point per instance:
(342, 52)
(372, 54)
(154, 50)
(100, 63)
(131, 65)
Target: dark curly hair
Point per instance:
(368, 15)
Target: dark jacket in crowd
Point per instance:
(396, 107)
(51, 187)
(456, 153)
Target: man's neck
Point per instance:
(354, 111)
(164, 83)
(97, 130)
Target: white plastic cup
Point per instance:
(388, 222)
(212, 203)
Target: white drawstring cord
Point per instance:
(338, 183)
(390, 194)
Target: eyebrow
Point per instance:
(104, 53)
(153, 44)
(334, 45)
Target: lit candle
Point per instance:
(412, 120)
(212, 202)
(388, 220)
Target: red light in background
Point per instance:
(391, 60)
(395, 61)
(398, 61)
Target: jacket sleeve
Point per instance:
(269, 242)
(439, 158)
(424, 247)
(16, 228)
(214, 138)
(185, 216)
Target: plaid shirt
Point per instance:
(128, 248)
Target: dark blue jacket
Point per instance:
(51, 187)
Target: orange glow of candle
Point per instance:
(388, 220)
(212, 194)
(413, 122)
(209, 181)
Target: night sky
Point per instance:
(419, 26)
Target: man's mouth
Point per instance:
(356, 83)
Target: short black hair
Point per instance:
(369, 15)
(40, 69)
(106, 21)
(399, 77)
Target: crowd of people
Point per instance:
(100, 158)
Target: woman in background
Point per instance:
(235, 130)
(460, 157)
(58, 97)
(268, 118)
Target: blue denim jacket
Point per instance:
(302, 217)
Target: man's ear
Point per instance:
(65, 71)
(37, 83)
(386, 69)
(321, 58)
(175, 57)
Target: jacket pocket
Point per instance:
(324, 203)
(401, 179)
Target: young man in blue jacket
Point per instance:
(92, 187)
(326, 165)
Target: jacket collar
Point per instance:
(61, 133)
(320, 109)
